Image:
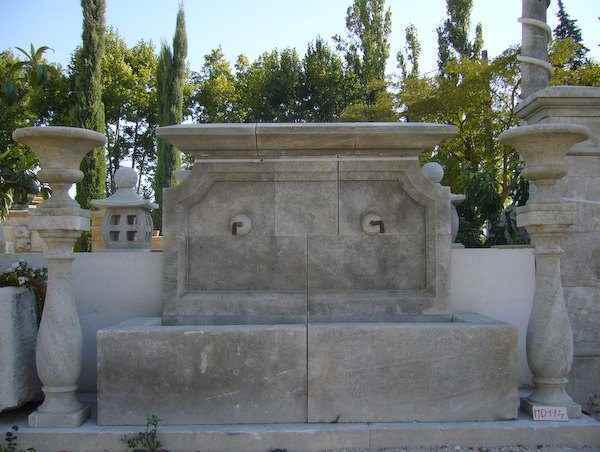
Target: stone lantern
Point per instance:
(127, 223)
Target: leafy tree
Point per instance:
(90, 109)
(269, 87)
(129, 100)
(411, 55)
(323, 93)
(479, 98)
(20, 106)
(453, 35)
(562, 52)
(366, 50)
(170, 81)
(215, 97)
(567, 28)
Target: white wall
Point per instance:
(498, 283)
(113, 287)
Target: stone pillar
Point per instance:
(59, 222)
(549, 337)
(535, 68)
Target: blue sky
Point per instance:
(251, 27)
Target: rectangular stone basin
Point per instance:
(421, 368)
(426, 368)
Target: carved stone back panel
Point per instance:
(300, 251)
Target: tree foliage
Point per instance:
(567, 28)
(89, 108)
(127, 91)
(170, 79)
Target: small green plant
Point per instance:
(11, 442)
(20, 274)
(146, 441)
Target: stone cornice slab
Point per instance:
(257, 141)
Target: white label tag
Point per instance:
(550, 413)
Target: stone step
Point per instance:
(517, 435)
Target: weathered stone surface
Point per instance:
(18, 331)
(201, 374)
(59, 221)
(385, 372)
(127, 222)
(583, 304)
(535, 68)
(547, 218)
(520, 435)
(306, 208)
(255, 141)
(584, 383)
(502, 436)
(306, 235)
(580, 264)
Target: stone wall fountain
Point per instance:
(306, 279)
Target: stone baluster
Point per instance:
(543, 148)
(535, 68)
(435, 173)
(59, 221)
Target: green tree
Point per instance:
(215, 96)
(479, 97)
(32, 92)
(90, 109)
(562, 52)
(454, 34)
(323, 93)
(128, 97)
(567, 28)
(366, 50)
(269, 87)
(170, 83)
(411, 55)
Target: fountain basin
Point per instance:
(419, 368)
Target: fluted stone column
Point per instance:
(535, 68)
(59, 222)
(547, 219)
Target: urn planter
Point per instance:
(547, 219)
(59, 222)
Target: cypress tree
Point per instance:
(568, 28)
(170, 80)
(89, 108)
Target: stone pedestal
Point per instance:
(59, 222)
(579, 105)
(18, 330)
(547, 219)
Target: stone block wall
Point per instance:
(581, 277)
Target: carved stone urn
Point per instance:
(543, 148)
(59, 222)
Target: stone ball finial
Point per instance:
(433, 171)
(126, 177)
